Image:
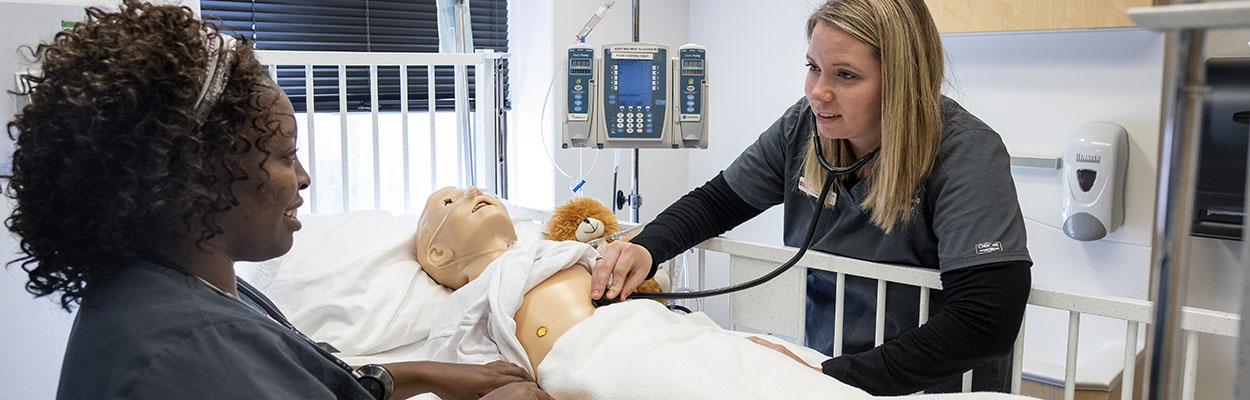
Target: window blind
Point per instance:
(362, 26)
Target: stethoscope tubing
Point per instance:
(807, 241)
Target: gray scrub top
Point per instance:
(969, 214)
(152, 332)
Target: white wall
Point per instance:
(530, 36)
(1035, 88)
(755, 70)
(34, 332)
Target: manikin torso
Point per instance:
(550, 309)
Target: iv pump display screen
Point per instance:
(634, 82)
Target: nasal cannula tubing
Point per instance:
(471, 192)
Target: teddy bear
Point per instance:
(585, 219)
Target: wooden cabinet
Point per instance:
(954, 16)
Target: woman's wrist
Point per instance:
(413, 378)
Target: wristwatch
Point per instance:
(377, 380)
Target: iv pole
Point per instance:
(635, 198)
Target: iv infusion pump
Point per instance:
(635, 95)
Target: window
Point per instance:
(359, 25)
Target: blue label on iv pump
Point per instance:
(581, 70)
(690, 87)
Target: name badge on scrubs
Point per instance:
(814, 191)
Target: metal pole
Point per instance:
(1242, 391)
(636, 13)
(1174, 210)
(635, 197)
(501, 133)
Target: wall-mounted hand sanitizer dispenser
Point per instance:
(1093, 181)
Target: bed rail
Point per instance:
(479, 136)
(777, 307)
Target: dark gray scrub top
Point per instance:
(968, 215)
(152, 332)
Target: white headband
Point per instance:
(220, 53)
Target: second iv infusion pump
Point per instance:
(635, 95)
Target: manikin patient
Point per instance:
(527, 304)
(461, 232)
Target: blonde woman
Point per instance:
(939, 194)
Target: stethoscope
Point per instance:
(270, 310)
(376, 388)
(807, 241)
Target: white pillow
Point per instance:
(350, 280)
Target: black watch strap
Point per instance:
(377, 380)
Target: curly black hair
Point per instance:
(109, 150)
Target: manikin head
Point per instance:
(460, 232)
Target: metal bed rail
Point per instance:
(777, 307)
(480, 135)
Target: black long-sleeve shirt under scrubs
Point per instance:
(967, 225)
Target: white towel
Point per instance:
(475, 325)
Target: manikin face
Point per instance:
(460, 231)
(262, 226)
(844, 86)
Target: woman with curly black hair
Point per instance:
(154, 154)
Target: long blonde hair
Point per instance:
(905, 40)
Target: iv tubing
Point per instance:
(594, 20)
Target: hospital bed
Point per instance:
(353, 171)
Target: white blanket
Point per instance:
(641, 350)
(475, 325)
